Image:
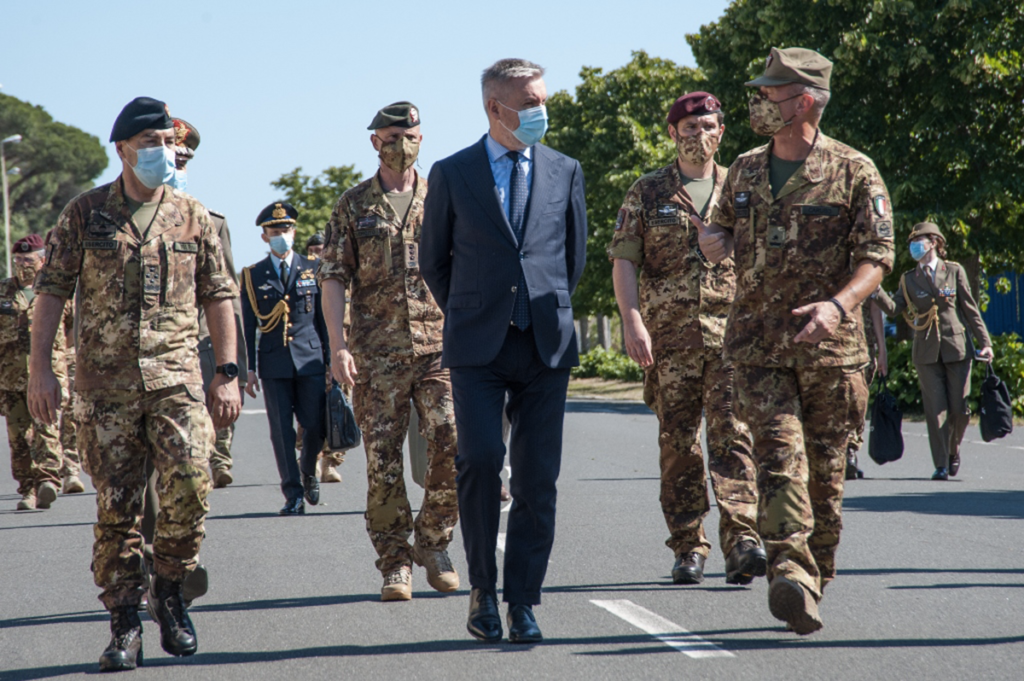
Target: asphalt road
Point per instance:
(930, 581)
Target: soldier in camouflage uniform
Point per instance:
(140, 256)
(186, 141)
(373, 250)
(329, 461)
(674, 330)
(874, 334)
(36, 456)
(69, 472)
(810, 221)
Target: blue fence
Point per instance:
(1004, 309)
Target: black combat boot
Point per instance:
(125, 649)
(167, 608)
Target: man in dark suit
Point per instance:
(280, 297)
(503, 247)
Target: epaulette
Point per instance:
(215, 213)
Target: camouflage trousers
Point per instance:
(220, 455)
(857, 436)
(801, 419)
(680, 387)
(35, 447)
(381, 400)
(68, 428)
(118, 430)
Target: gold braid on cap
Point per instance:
(271, 320)
(279, 215)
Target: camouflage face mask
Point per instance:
(400, 154)
(697, 149)
(26, 272)
(766, 116)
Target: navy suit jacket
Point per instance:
(471, 260)
(304, 355)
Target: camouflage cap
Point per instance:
(27, 244)
(278, 213)
(693, 104)
(186, 138)
(795, 65)
(142, 113)
(925, 229)
(399, 115)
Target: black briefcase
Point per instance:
(342, 431)
(996, 419)
(885, 442)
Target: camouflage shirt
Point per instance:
(377, 259)
(801, 248)
(137, 293)
(684, 299)
(16, 340)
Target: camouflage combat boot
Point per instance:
(167, 608)
(441, 575)
(124, 651)
(28, 501)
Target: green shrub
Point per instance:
(609, 365)
(1008, 365)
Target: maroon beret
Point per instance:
(27, 244)
(693, 104)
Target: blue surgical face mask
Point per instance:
(282, 243)
(154, 166)
(533, 123)
(919, 249)
(180, 180)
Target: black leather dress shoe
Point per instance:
(954, 464)
(311, 485)
(746, 561)
(124, 651)
(484, 622)
(940, 474)
(167, 608)
(293, 507)
(689, 569)
(522, 625)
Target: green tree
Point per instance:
(615, 126)
(55, 162)
(931, 90)
(315, 197)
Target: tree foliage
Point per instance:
(315, 197)
(55, 162)
(615, 126)
(931, 90)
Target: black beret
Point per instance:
(27, 244)
(399, 114)
(278, 213)
(142, 113)
(186, 137)
(316, 240)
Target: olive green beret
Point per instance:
(795, 65)
(925, 229)
(399, 114)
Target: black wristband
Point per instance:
(842, 312)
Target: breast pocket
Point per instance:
(663, 245)
(180, 283)
(374, 245)
(103, 269)
(817, 240)
(10, 322)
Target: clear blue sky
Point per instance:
(275, 85)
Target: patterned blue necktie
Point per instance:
(517, 195)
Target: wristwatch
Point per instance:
(230, 370)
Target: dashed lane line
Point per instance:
(669, 633)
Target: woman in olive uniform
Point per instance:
(936, 301)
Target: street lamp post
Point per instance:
(13, 139)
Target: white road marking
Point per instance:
(504, 509)
(669, 633)
(254, 411)
(501, 542)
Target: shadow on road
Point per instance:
(1004, 504)
(606, 407)
(274, 514)
(34, 527)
